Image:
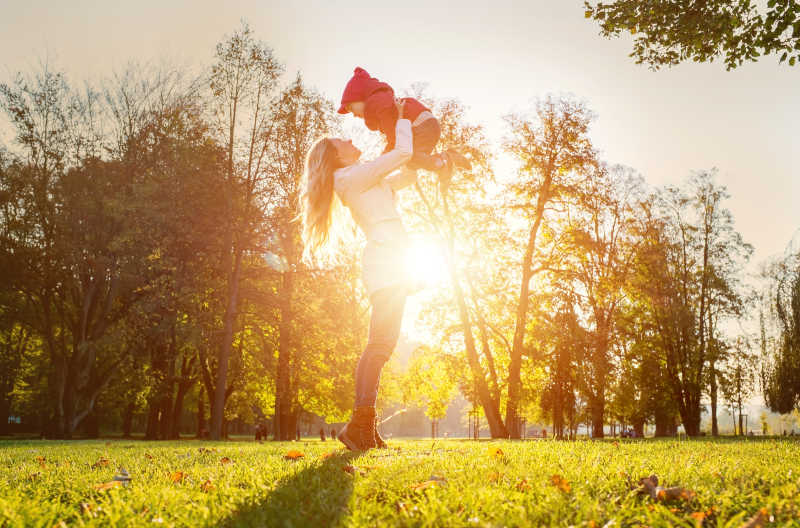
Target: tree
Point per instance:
(554, 153)
(689, 270)
(602, 237)
(242, 81)
(739, 377)
(780, 335)
(668, 32)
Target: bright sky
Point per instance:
(494, 56)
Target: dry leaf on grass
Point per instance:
(207, 486)
(40, 460)
(178, 476)
(293, 455)
(101, 462)
(225, 460)
(148, 456)
(495, 476)
(649, 485)
(353, 470)
(326, 456)
(495, 452)
(756, 521)
(561, 483)
(427, 484)
(108, 485)
(523, 485)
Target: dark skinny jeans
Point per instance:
(384, 331)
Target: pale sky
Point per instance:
(495, 56)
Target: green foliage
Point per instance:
(667, 32)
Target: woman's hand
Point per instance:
(401, 107)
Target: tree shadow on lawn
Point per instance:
(315, 496)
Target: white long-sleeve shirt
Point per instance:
(369, 191)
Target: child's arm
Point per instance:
(386, 124)
(360, 177)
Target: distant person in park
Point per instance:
(369, 190)
(373, 101)
(322, 433)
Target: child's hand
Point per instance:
(401, 107)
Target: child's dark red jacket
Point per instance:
(380, 112)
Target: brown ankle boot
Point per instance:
(357, 434)
(380, 443)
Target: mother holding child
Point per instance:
(368, 190)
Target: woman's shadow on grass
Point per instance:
(314, 496)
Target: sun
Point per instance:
(425, 261)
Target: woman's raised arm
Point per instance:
(362, 176)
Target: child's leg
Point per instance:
(426, 136)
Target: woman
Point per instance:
(368, 190)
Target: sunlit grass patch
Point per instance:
(418, 483)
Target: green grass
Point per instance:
(732, 480)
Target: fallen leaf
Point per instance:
(495, 476)
(34, 476)
(293, 455)
(40, 460)
(148, 456)
(226, 460)
(756, 521)
(495, 452)
(101, 462)
(698, 516)
(649, 485)
(108, 485)
(353, 470)
(427, 484)
(207, 486)
(523, 485)
(178, 476)
(561, 483)
(615, 444)
(329, 454)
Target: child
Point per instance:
(373, 101)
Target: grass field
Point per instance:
(417, 483)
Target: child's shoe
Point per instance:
(459, 160)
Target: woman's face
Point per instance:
(348, 153)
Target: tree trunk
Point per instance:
(201, 413)
(598, 414)
(151, 429)
(283, 399)
(5, 408)
(713, 395)
(218, 407)
(491, 407)
(515, 365)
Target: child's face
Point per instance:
(357, 108)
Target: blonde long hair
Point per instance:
(319, 204)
